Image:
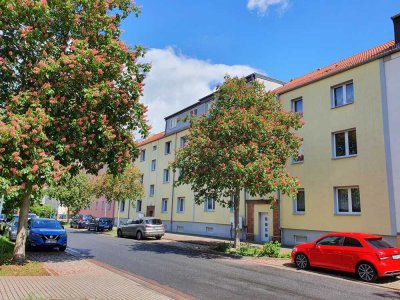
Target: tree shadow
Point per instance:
(54, 255)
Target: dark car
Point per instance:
(80, 221)
(101, 224)
(43, 232)
(11, 227)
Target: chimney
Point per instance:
(396, 24)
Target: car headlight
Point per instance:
(294, 249)
(64, 235)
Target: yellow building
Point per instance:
(351, 144)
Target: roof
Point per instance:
(150, 139)
(341, 66)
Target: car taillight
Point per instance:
(382, 256)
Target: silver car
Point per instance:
(142, 228)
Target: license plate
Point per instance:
(50, 241)
(396, 256)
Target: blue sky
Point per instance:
(193, 43)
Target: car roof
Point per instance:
(39, 219)
(360, 235)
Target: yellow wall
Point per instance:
(319, 173)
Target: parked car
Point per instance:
(2, 217)
(80, 221)
(366, 255)
(11, 228)
(101, 224)
(142, 228)
(43, 232)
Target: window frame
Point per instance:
(154, 147)
(346, 143)
(294, 161)
(173, 123)
(206, 202)
(350, 201)
(182, 141)
(170, 147)
(343, 86)
(178, 206)
(169, 176)
(150, 190)
(293, 105)
(153, 165)
(142, 155)
(139, 206)
(295, 210)
(164, 205)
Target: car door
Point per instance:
(130, 228)
(349, 254)
(325, 251)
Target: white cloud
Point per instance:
(176, 81)
(262, 5)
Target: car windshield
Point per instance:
(104, 220)
(86, 218)
(51, 224)
(2, 216)
(154, 222)
(378, 243)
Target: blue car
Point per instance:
(46, 233)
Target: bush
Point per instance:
(247, 250)
(223, 247)
(6, 250)
(271, 249)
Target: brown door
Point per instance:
(150, 211)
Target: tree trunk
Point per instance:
(236, 204)
(19, 249)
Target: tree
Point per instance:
(120, 187)
(43, 211)
(75, 192)
(243, 143)
(69, 93)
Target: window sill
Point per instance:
(297, 162)
(347, 156)
(347, 214)
(164, 212)
(333, 107)
(299, 212)
(180, 212)
(166, 182)
(210, 210)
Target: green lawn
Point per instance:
(111, 232)
(30, 268)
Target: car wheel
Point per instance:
(158, 237)
(139, 235)
(302, 262)
(97, 229)
(119, 233)
(62, 248)
(70, 225)
(367, 272)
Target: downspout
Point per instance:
(173, 185)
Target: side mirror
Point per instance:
(62, 226)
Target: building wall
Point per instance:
(97, 211)
(320, 173)
(391, 96)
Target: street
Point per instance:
(209, 276)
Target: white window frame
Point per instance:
(301, 151)
(166, 171)
(178, 210)
(206, 202)
(293, 104)
(173, 122)
(343, 85)
(346, 143)
(164, 205)
(139, 206)
(154, 147)
(151, 194)
(299, 212)
(122, 206)
(153, 165)
(350, 204)
(143, 155)
(182, 141)
(170, 148)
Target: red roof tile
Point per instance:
(150, 139)
(338, 67)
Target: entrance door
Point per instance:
(264, 227)
(150, 211)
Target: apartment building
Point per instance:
(175, 205)
(349, 164)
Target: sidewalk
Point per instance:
(75, 278)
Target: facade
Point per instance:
(175, 206)
(100, 208)
(349, 164)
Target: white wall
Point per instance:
(392, 75)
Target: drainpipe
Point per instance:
(173, 186)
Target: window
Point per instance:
(138, 205)
(342, 94)
(166, 175)
(108, 206)
(97, 205)
(173, 122)
(209, 204)
(208, 106)
(209, 229)
(193, 112)
(345, 143)
(231, 205)
(300, 154)
(297, 106)
(142, 178)
(167, 149)
(151, 191)
(153, 165)
(122, 206)
(378, 243)
(164, 205)
(143, 155)
(299, 202)
(154, 147)
(348, 200)
(331, 241)
(181, 205)
(350, 242)
(103, 205)
(182, 141)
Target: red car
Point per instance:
(367, 255)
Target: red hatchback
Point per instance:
(367, 255)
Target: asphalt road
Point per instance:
(208, 276)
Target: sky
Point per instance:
(192, 44)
